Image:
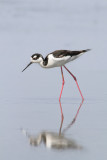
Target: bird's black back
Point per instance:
(63, 53)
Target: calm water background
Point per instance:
(30, 100)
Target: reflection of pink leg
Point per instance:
(62, 118)
(74, 119)
(75, 81)
(61, 92)
(77, 113)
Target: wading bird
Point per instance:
(58, 58)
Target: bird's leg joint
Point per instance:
(63, 82)
(74, 78)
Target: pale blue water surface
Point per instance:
(29, 100)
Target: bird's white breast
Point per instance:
(57, 62)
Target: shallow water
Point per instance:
(29, 100)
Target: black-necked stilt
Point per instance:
(58, 58)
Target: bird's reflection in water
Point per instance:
(72, 122)
(55, 140)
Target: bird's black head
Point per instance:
(35, 58)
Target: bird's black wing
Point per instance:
(62, 53)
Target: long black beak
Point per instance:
(27, 66)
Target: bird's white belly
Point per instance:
(57, 62)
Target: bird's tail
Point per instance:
(78, 53)
(86, 50)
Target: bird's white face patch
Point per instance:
(35, 56)
(34, 60)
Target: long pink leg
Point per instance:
(62, 83)
(75, 81)
(61, 93)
